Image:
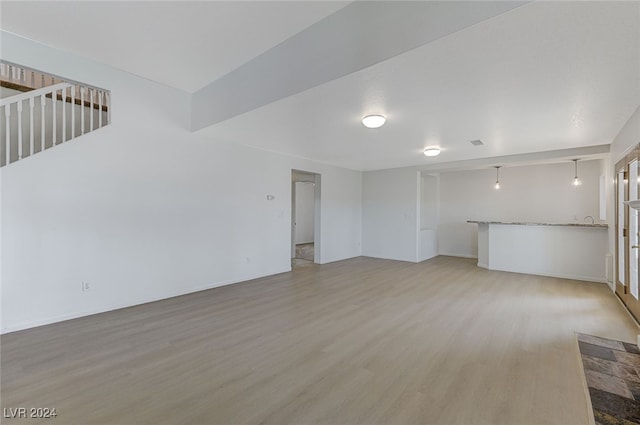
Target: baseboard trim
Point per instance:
(75, 315)
(449, 254)
(557, 275)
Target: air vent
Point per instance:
(477, 142)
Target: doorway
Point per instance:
(627, 231)
(305, 214)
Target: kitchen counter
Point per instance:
(533, 223)
(566, 250)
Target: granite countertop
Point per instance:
(530, 223)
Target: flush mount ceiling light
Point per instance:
(373, 121)
(576, 181)
(432, 152)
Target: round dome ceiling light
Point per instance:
(432, 152)
(373, 121)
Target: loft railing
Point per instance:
(24, 79)
(43, 111)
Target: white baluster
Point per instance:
(81, 110)
(54, 120)
(19, 106)
(43, 102)
(7, 115)
(73, 112)
(64, 114)
(31, 142)
(100, 109)
(107, 101)
(91, 93)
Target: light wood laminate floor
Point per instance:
(361, 341)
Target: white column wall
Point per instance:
(389, 219)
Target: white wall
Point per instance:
(7, 92)
(532, 193)
(304, 212)
(389, 214)
(144, 210)
(628, 137)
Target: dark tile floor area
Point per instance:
(305, 251)
(612, 372)
(304, 255)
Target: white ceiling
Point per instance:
(183, 44)
(544, 76)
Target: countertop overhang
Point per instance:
(532, 223)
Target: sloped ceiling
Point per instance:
(183, 44)
(545, 76)
(531, 77)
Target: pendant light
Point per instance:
(497, 185)
(576, 181)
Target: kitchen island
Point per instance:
(566, 250)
